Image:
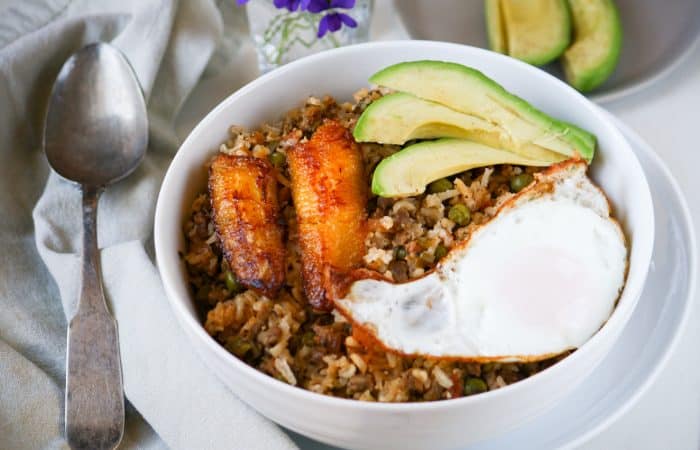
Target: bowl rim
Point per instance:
(612, 325)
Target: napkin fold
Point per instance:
(169, 44)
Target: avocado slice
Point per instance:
(399, 117)
(588, 139)
(495, 28)
(534, 31)
(592, 57)
(469, 91)
(410, 170)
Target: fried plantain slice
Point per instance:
(243, 193)
(330, 195)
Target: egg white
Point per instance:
(538, 279)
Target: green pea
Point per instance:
(400, 252)
(239, 346)
(440, 251)
(441, 185)
(473, 385)
(518, 182)
(460, 214)
(278, 159)
(232, 283)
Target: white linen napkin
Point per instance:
(169, 44)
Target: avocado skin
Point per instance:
(585, 80)
(393, 77)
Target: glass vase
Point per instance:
(281, 36)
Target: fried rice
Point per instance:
(284, 337)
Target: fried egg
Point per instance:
(540, 278)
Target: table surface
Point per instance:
(665, 115)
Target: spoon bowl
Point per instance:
(96, 129)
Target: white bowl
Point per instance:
(443, 424)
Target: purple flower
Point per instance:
(312, 6)
(316, 6)
(345, 4)
(333, 21)
(291, 5)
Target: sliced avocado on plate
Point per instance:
(534, 31)
(469, 91)
(595, 51)
(399, 117)
(410, 170)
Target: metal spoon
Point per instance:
(96, 133)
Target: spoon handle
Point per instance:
(94, 394)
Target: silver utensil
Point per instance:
(96, 133)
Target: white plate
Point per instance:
(647, 341)
(657, 35)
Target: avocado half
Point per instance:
(595, 51)
(410, 170)
(469, 91)
(534, 31)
